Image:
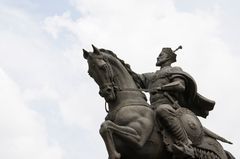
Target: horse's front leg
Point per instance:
(106, 134)
(108, 128)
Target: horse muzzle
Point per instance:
(108, 93)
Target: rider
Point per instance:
(167, 86)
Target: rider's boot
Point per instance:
(182, 146)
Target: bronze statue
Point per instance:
(169, 127)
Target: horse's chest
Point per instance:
(131, 114)
(125, 116)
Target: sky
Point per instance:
(50, 107)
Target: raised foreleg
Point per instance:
(130, 134)
(106, 131)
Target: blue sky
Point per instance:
(42, 8)
(50, 107)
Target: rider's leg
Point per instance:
(167, 117)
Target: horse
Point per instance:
(130, 130)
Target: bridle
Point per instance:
(104, 88)
(111, 84)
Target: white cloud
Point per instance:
(22, 131)
(26, 61)
(48, 77)
(53, 68)
(137, 30)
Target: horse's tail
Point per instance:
(229, 155)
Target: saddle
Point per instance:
(204, 141)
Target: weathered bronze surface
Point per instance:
(168, 127)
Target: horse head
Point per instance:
(101, 71)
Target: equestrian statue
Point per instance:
(168, 127)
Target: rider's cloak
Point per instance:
(197, 103)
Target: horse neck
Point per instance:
(124, 81)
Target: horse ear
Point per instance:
(85, 54)
(96, 50)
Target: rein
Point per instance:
(126, 89)
(139, 89)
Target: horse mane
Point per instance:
(134, 75)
